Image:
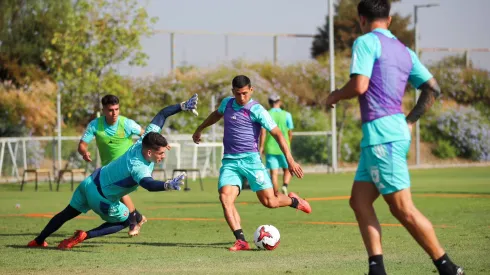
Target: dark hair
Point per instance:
(272, 102)
(154, 141)
(109, 100)
(240, 81)
(374, 9)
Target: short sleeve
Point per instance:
(222, 105)
(289, 121)
(151, 128)
(419, 73)
(260, 115)
(365, 51)
(132, 128)
(140, 171)
(89, 134)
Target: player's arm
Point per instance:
(356, 86)
(87, 137)
(153, 185)
(422, 79)
(263, 133)
(210, 120)
(429, 92)
(290, 135)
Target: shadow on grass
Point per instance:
(29, 234)
(75, 249)
(162, 244)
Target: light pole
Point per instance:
(331, 48)
(417, 124)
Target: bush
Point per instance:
(467, 131)
(445, 150)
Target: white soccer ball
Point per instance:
(267, 237)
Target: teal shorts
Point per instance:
(275, 162)
(234, 171)
(86, 197)
(385, 165)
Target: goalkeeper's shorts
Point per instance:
(385, 165)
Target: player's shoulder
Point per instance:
(94, 122)
(257, 107)
(368, 39)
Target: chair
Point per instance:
(186, 186)
(82, 171)
(36, 171)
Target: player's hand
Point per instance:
(295, 169)
(196, 137)
(332, 99)
(190, 105)
(86, 157)
(176, 182)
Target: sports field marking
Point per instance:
(456, 196)
(355, 224)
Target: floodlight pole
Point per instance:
(332, 83)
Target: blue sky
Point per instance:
(455, 24)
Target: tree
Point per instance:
(99, 35)
(347, 29)
(26, 30)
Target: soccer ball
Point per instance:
(267, 237)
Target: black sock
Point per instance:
(106, 229)
(294, 203)
(56, 222)
(239, 234)
(285, 185)
(135, 217)
(445, 266)
(376, 265)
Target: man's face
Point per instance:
(111, 112)
(243, 95)
(156, 155)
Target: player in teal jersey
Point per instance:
(380, 69)
(101, 192)
(113, 134)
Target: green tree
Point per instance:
(346, 29)
(99, 35)
(26, 30)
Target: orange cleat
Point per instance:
(303, 205)
(77, 238)
(240, 245)
(33, 243)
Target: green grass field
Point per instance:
(186, 232)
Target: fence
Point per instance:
(312, 149)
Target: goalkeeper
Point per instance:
(102, 191)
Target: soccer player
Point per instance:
(102, 191)
(243, 118)
(274, 157)
(381, 66)
(113, 136)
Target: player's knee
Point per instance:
(226, 199)
(403, 212)
(356, 204)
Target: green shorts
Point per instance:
(275, 162)
(385, 165)
(234, 171)
(86, 197)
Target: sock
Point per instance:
(376, 265)
(445, 266)
(56, 222)
(285, 185)
(294, 203)
(135, 217)
(239, 234)
(106, 229)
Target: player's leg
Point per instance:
(260, 183)
(229, 186)
(78, 204)
(272, 165)
(397, 194)
(363, 195)
(136, 219)
(286, 178)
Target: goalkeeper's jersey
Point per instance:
(123, 175)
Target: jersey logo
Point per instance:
(233, 117)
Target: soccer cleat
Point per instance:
(460, 271)
(303, 205)
(284, 190)
(134, 229)
(33, 243)
(240, 245)
(77, 238)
